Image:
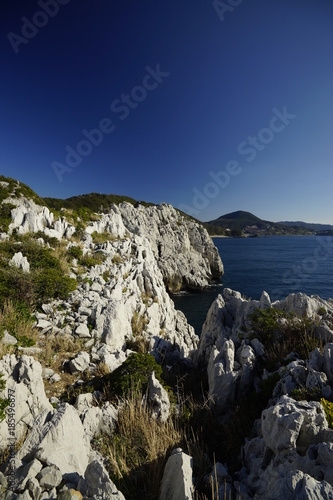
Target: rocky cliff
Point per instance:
(273, 361)
(101, 386)
(121, 264)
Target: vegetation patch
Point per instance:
(283, 337)
(4, 402)
(138, 448)
(328, 408)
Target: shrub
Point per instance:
(52, 284)
(3, 401)
(328, 408)
(281, 339)
(5, 216)
(75, 252)
(134, 372)
(117, 259)
(89, 260)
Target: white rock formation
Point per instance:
(177, 482)
(20, 262)
(292, 455)
(230, 352)
(25, 388)
(158, 399)
(184, 251)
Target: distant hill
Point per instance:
(309, 225)
(243, 223)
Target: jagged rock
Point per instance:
(8, 339)
(185, 253)
(27, 472)
(58, 438)
(105, 354)
(177, 482)
(294, 436)
(158, 399)
(99, 485)
(20, 262)
(95, 419)
(303, 305)
(49, 477)
(82, 331)
(24, 385)
(34, 488)
(296, 484)
(80, 363)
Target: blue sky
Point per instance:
(184, 95)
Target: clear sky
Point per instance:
(210, 106)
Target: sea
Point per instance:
(280, 265)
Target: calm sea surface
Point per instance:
(277, 264)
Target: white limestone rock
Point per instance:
(8, 339)
(80, 363)
(295, 437)
(99, 485)
(184, 251)
(177, 482)
(158, 399)
(49, 477)
(21, 262)
(25, 387)
(58, 438)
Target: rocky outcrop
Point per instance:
(20, 262)
(231, 351)
(30, 217)
(177, 482)
(24, 388)
(289, 454)
(291, 457)
(183, 249)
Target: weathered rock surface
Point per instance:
(177, 482)
(20, 262)
(230, 351)
(25, 388)
(292, 455)
(158, 399)
(184, 251)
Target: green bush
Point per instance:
(75, 252)
(3, 402)
(5, 216)
(328, 408)
(52, 284)
(134, 373)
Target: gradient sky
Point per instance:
(223, 74)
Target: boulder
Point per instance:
(177, 482)
(20, 262)
(158, 399)
(58, 438)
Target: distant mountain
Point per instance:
(309, 225)
(242, 223)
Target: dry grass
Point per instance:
(138, 450)
(60, 253)
(18, 325)
(103, 237)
